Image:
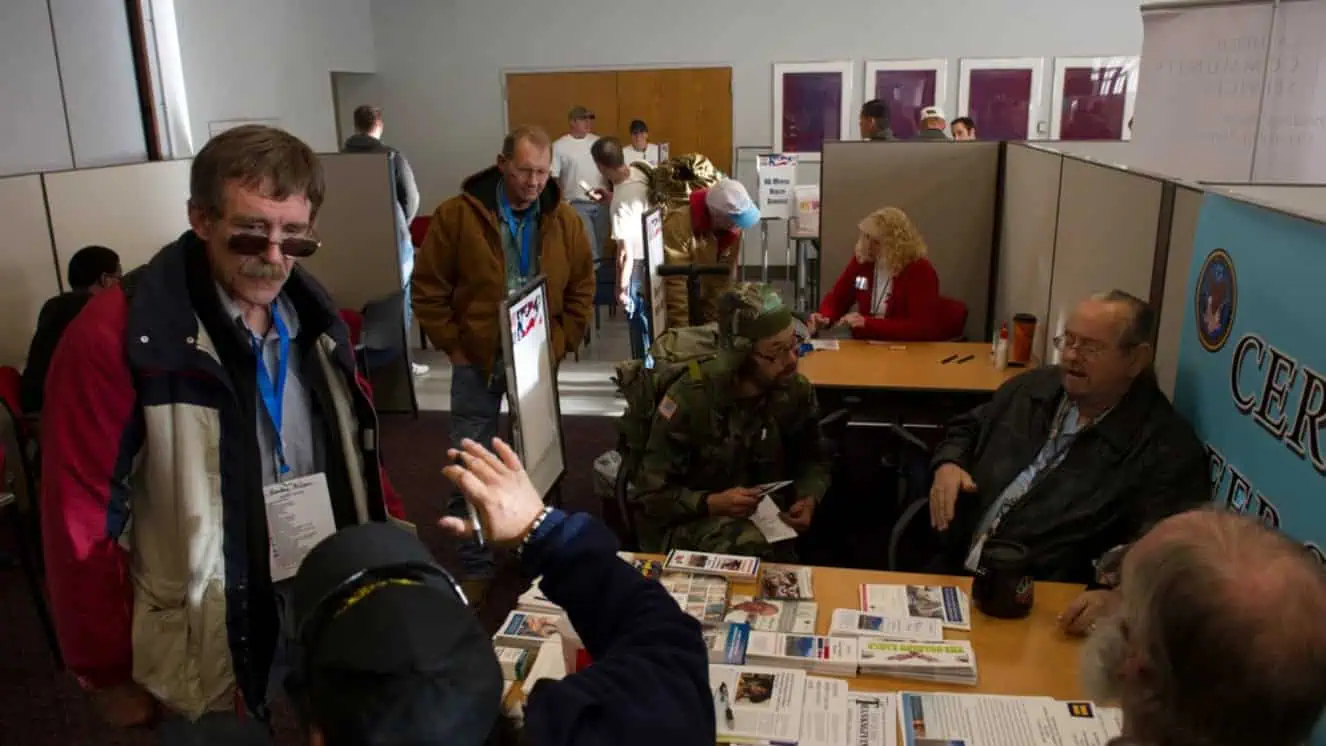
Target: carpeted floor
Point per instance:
(40, 706)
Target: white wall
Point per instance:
(95, 70)
(271, 59)
(440, 61)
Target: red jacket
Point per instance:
(915, 311)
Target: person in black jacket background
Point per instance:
(392, 654)
(1071, 460)
(91, 270)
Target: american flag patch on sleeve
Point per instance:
(667, 408)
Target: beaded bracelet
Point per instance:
(533, 528)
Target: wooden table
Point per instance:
(911, 366)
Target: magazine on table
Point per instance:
(853, 623)
(727, 643)
(951, 661)
(872, 719)
(931, 719)
(769, 615)
(706, 563)
(787, 583)
(702, 596)
(757, 704)
(527, 629)
(947, 603)
(830, 656)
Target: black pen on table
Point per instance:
(966, 359)
(948, 359)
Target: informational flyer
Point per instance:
(933, 719)
(757, 704)
(778, 179)
(872, 719)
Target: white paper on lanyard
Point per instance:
(299, 516)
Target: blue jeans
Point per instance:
(474, 413)
(405, 255)
(595, 218)
(639, 320)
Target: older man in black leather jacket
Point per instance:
(1070, 460)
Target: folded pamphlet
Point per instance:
(947, 603)
(951, 661)
(771, 615)
(727, 643)
(872, 719)
(990, 720)
(787, 583)
(754, 704)
(853, 623)
(824, 713)
(527, 629)
(702, 596)
(768, 519)
(515, 662)
(705, 563)
(828, 656)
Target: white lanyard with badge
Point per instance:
(879, 302)
(1052, 452)
(299, 512)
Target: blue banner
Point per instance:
(1252, 363)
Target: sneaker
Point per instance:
(419, 369)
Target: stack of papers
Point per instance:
(951, 662)
(515, 662)
(786, 583)
(987, 719)
(727, 643)
(853, 623)
(830, 656)
(759, 705)
(872, 719)
(768, 615)
(550, 663)
(727, 565)
(947, 603)
(824, 713)
(528, 630)
(702, 596)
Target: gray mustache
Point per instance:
(262, 271)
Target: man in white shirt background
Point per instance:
(630, 200)
(640, 148)
(579, 178)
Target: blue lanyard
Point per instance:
(522, 231)
(273, 395)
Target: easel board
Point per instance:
(531, 385)
(655, 292)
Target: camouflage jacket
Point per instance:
(704, 440)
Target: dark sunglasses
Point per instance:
(255, 244)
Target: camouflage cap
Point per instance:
(749, 312)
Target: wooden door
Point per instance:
(688, 108)
(544, 99)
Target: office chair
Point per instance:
(382, 338)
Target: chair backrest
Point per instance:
(630, 540)
(383, 328)
(354, 321)
(952, 318)
(419, 229)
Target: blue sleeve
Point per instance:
(650, 680)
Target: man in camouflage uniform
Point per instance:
(708, 232)
(738, 420)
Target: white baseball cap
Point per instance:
(729, 197)
(933, 112)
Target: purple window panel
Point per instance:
(999, 101)
(1093, 103)
(812, 110)
(906, 92)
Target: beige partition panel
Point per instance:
(357, 225)
(134, 209)
(28, 272)
(947, 188)
(1174, 306)
(1308, 200)
(1028, 226)
(1106, 237)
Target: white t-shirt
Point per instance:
(630, 200)
(648, 155)
(879, 301)
(572, 164)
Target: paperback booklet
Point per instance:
(872, 719)
(768, 615)
(515, 662)
(989, 720)
(951, 661)
(527, 629)
(727, 643)
(824, 713)
(830, 656)
(853, 623)
(702, 596)
(947, 603)
(757, 704)
(727, 565)
(786, 583)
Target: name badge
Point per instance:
(861, 283)
(299, 516)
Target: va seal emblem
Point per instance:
(1215, 300)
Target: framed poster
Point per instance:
(812, 102)
(907, 86)
(531, 384)
(1094, 98)
(655, 292)
(1003, 96)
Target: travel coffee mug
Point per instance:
(1003, 587)
(1024, 333)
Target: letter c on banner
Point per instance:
(1250, 342)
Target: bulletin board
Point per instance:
(531, 385)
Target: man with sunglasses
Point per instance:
(204, 428)
(1070, 460)
(728, 430)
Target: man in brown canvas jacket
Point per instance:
(507, 225)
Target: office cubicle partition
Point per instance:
(1025, 271)
(1174, 298)
(29, 273)
(949, 190)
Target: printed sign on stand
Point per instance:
(658, 300)
(778, 180)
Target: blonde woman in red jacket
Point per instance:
(893, 286)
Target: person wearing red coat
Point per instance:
(893, 286)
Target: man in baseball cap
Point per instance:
(392, 655)
(709, 233)
(933, 124)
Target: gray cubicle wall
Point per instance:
(1174, 306)
(948, 189)
(29, 273)
(1030, 224)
